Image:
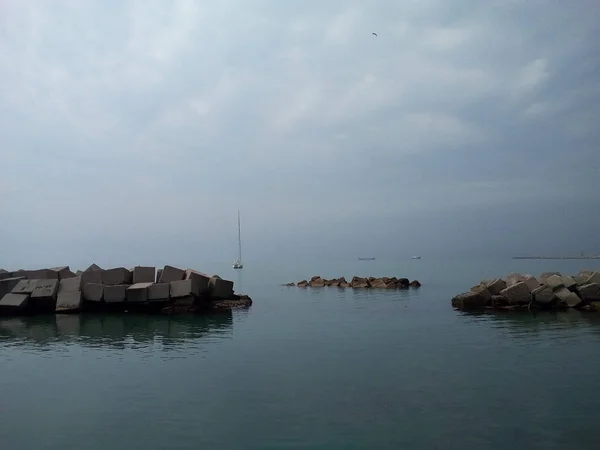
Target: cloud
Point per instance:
(130, 117)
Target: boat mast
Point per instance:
(239, 239)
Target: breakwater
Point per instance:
(519, 292)
(167, 290)
(359, 283)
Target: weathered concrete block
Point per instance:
(42, 274)
(63, 272)
(514, 278)
(589, 292)
(593, 278)
(469, 301)
(319, 282)
(12, 304)
(69, 302)
(496, 286)
(78, 273)
(517, 294)
(93, 267)
(403, 283)
(4, 274)
(184, 288)
(116, 293)
(159, 292)
(70, 285)
(158, 274)
(138, 293)
(25, 286)
(498, 301)
(356, 282)
(93, 292)
(543, 295)
(118, 275)
(202, 279)
(532, 283)
(45, 289)
(567, 298)
(144, 274)
(569, 282)
(170, 273)
(221, 289)
(92, 276)
(8, 284)
(555, 282)
(377, 283)
(483, 290)
(43, 297)
(546, 275)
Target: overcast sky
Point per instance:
(133, 130)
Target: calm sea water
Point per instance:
(310, 369)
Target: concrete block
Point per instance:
(4, 274)
(69, 302)
(93, 267)
(138, 293)
(555, 282)
(78, 273)
(589, 292)
(184, 288)
(45, 288)
(158, 274)
(70, 285)
(170, 273)
(144, 274)
(14, 304)
(221, 289)
(544, 295)
(202, 279)
(517, 294)
(116, 293)
(593, 278)
(496, 286)
(42, 274)
(8, 284)
(25, 286)
(91, 276)
(118, 275)
(63, 272)
(43, 297)
(159, 292)
(93, 292)
(567, 297)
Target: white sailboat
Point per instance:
(237, 264)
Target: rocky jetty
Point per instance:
(359, 283)
(549, 291)
(142, 288)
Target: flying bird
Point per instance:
(374, 34)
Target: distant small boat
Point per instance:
(416, 257)
(237, 264)
(365, 259)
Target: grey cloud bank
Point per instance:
(128, 123)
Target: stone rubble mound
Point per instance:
(549, 291)
(359, 283)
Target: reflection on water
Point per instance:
(114, 331)
(539, 325)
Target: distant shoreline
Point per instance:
(556, 257)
